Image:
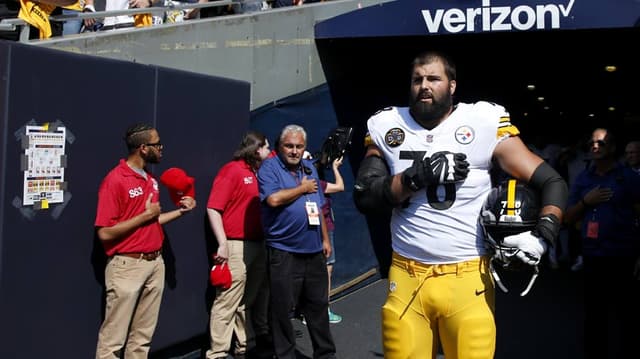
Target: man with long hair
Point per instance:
(234, 215)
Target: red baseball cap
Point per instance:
(178, 183)
(220, 276)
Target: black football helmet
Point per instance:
(510, 208)
(335, 145)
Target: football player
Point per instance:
(430, 162)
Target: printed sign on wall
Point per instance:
(44, 173)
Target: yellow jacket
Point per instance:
(37, 14)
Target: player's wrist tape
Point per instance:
(547, 228)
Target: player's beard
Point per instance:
(152, 157)
(430, 114)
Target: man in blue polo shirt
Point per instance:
(602, 198)
(297, 245)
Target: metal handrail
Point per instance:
(12, 24)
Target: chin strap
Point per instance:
(498, 281)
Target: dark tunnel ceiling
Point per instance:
(566, 66)
(568, 69)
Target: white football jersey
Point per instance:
(439, 224)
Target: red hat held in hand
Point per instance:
(220, 276)
(178, 183)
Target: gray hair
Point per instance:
(293, 129)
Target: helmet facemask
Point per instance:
(510, 209)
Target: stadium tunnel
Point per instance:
(567, 50)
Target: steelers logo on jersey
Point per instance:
(394, 137)
(465, 135)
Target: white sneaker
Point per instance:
(578, 264)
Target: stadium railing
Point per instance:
(13, 24)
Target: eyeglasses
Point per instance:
(600, 143)
(157, 145)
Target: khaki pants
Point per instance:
(247, 262)
(134, 291)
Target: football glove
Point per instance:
(441, 168)
(530, 248)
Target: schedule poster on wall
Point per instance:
(44, 174)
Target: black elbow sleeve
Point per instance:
(553, 188)
(554, 192)
(372, 190)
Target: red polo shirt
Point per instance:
(122, 196)
(235, 194)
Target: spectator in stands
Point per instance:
(36, 14)
(246, 6)
(173, 15)
(239, 7)
(212, 11)
(603, 198)
(286, 3)
(129, 224)
(632, 155)
(297, 245)
(125, 21)
(71, 27)
(328, 188)
(234, 216)
(60, 3)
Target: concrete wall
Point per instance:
(273, 50)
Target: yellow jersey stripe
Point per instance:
(508, 130)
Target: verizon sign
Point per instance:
(496, 18)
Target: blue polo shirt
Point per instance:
(287, 227)
(617, 231)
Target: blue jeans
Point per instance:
(71, 27)
(247, 6)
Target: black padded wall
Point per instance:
(51, 266)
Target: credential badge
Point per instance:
(465, 135)
(394, 137)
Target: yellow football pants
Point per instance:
(447, 304)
